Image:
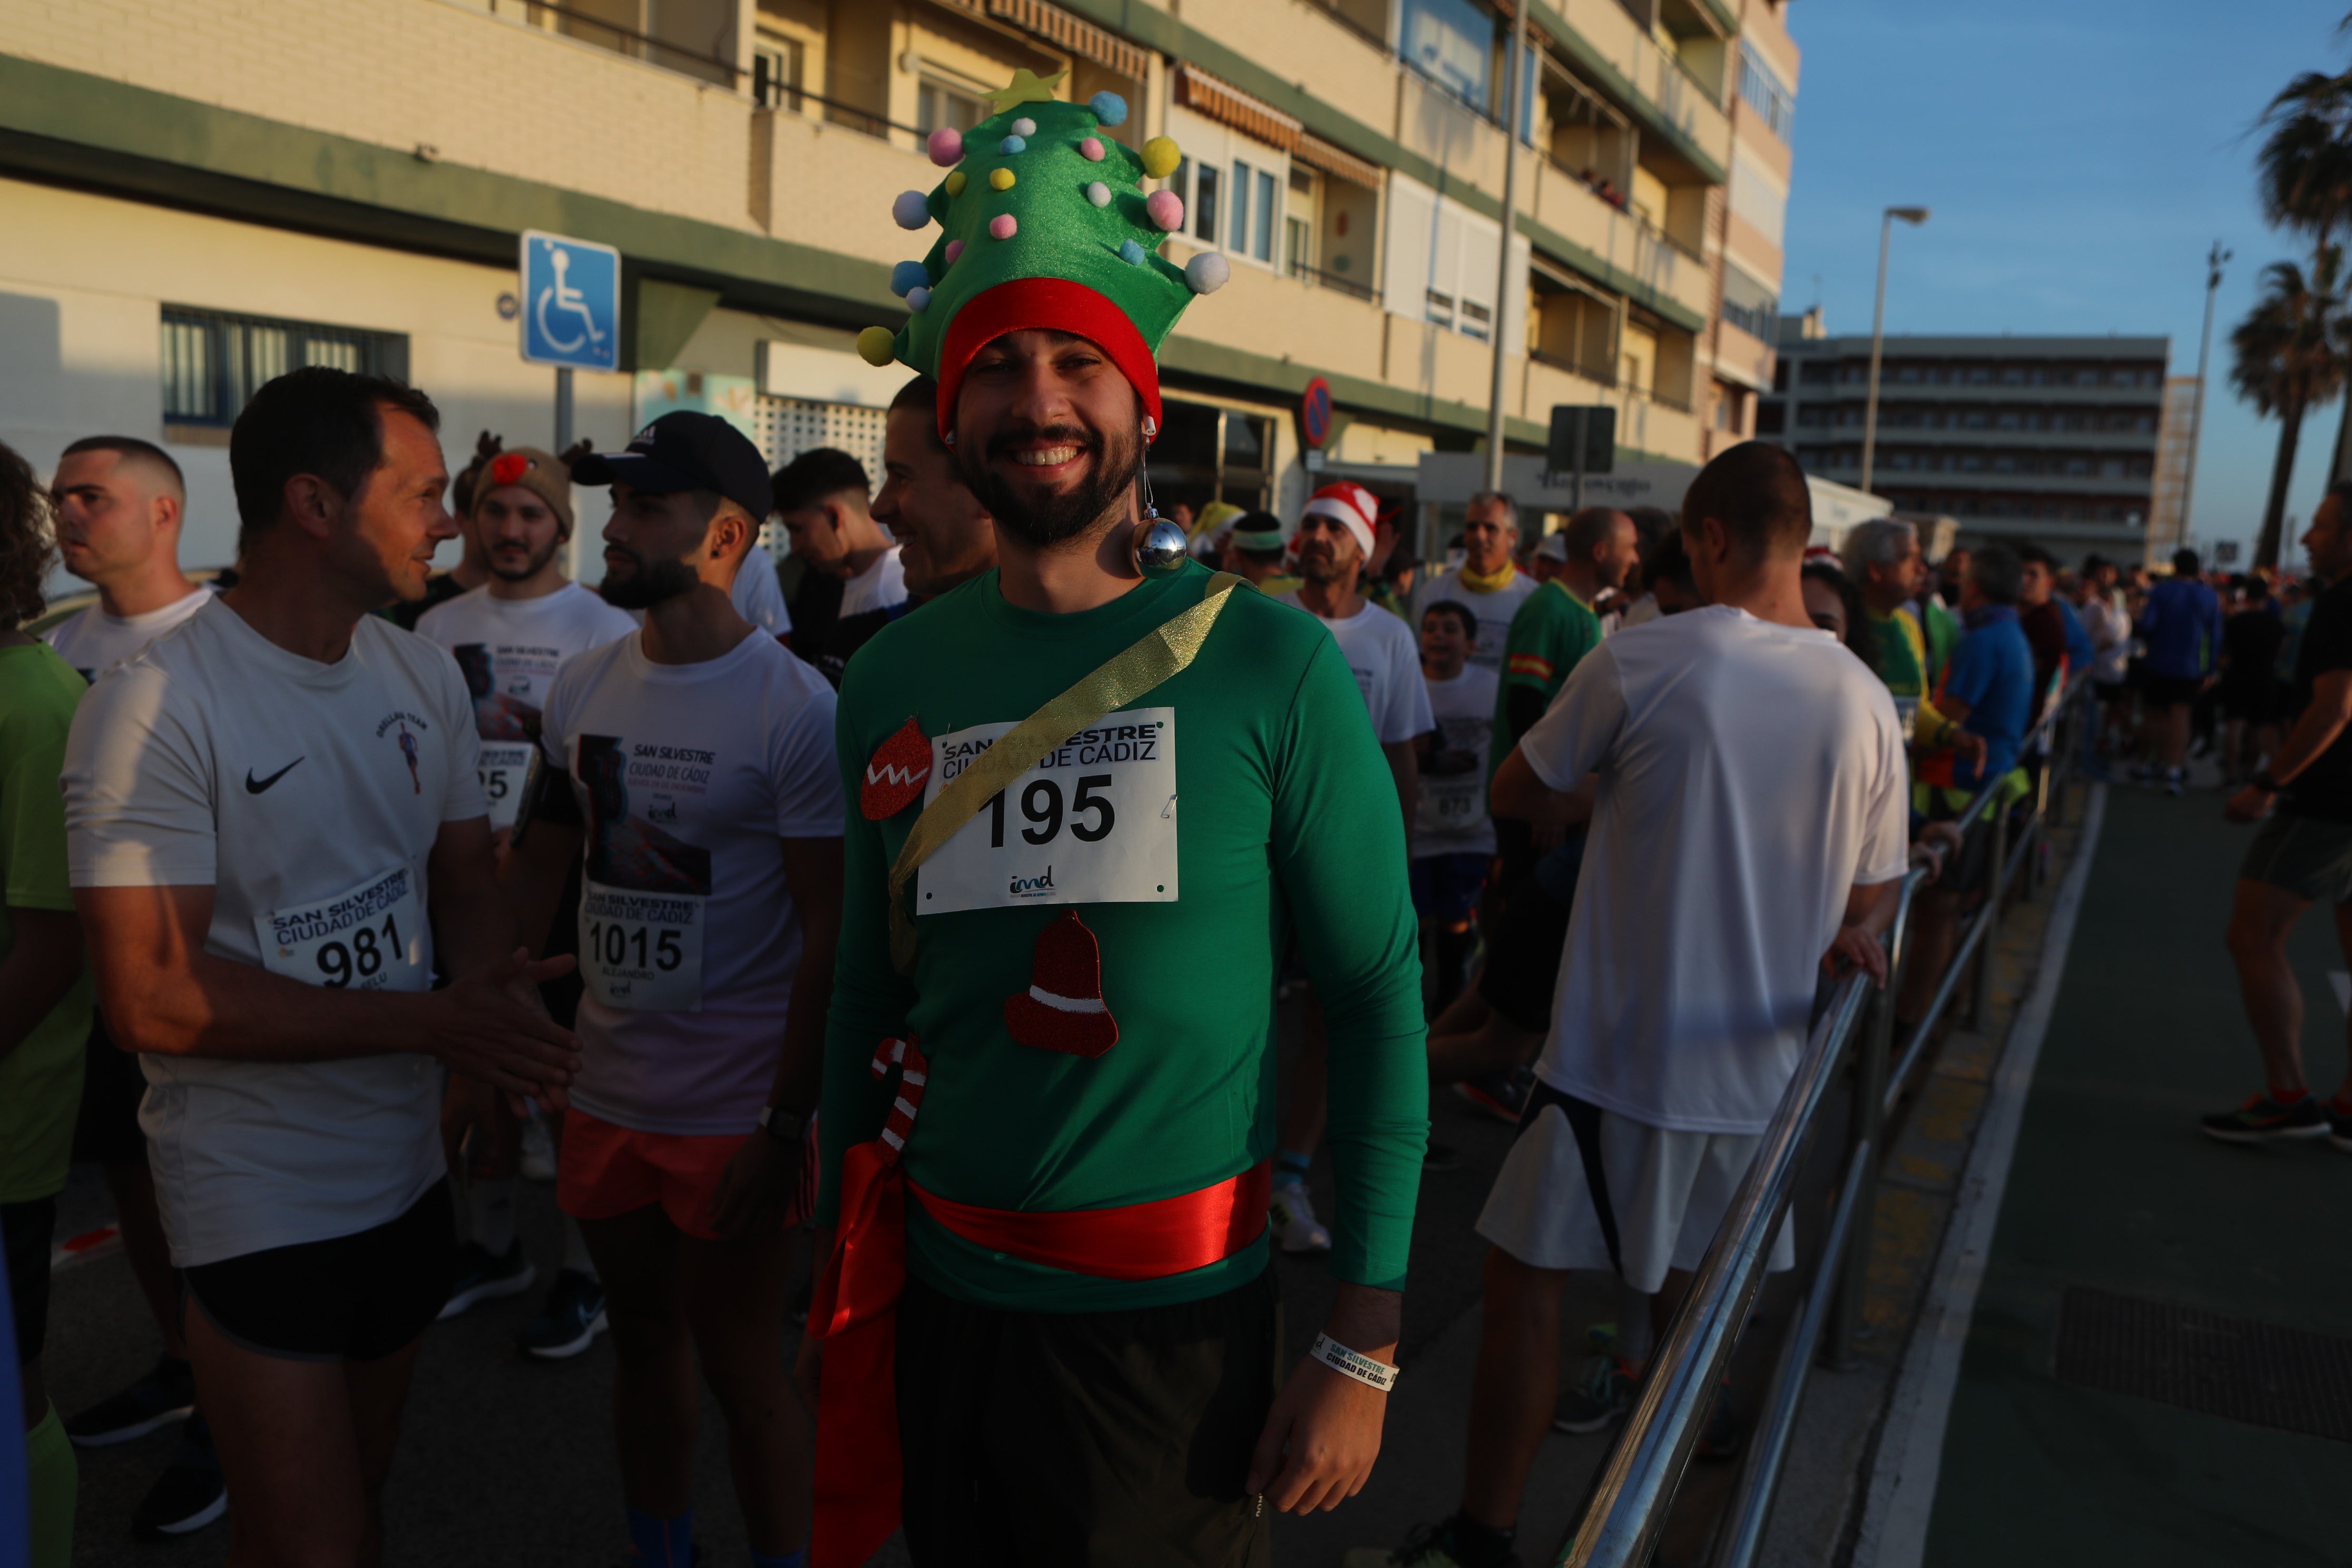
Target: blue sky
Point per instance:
(2080, 156)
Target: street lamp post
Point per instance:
(1878, 334)
(1513, 56)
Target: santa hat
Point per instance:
(1352, 506)
(1063, 1009)
(1043, 222)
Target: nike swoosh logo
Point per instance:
(255, 786)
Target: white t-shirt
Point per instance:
(2110, 633)
(508, 651)
(881, 586)
(759, 597)
(1750, 775)
(92, 641)
(1493, 610)
(1453, 817)
(308, 797)
(689, 937)
(1386, 658)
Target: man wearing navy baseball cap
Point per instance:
(691, 779)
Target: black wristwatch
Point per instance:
(784, 1129)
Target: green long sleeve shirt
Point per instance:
(1279, 817)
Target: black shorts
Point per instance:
(1524, 951)
(2307, 857)
(2111, 691)
(106, 1127)
(2171, 691)
(349, 1297)
(26, 1232)
(1046, 1439)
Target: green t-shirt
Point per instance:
(1549, 633)
(1943, 635)
(1288, 822)
(1900, 650)
(40, 1080)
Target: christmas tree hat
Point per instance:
(1043, 222)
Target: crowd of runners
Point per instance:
(857, 905)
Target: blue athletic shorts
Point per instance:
(1446, 887)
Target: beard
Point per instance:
(1066, 514)
(649, 585)
(533, 563)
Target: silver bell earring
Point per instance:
(1161, 546)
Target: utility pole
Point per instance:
(2214, 261)
(1517, 66)
(1878, 334)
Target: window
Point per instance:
(214, 361)
(938, 104)
(1232, 186)
(1754, 308)
(1761, 86)
(1443, 262)
(1757, 197)
(1451, 42)
(776, 66)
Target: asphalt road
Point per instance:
(508, 1461)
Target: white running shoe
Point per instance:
(1292, 1214)
(538, 1150)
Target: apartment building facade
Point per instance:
(196, 196)
(2048, 438)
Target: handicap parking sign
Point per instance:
(571, 302)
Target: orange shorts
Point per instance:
(606, 1170)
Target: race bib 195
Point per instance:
(368, 938)
(642, 953)
(1093, 823)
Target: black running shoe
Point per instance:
(569, 1322)
(2340, 1124)
(2261, 1118)
(189, 1494)
(1502, 1095)
(167, 1393)
(485, 1276)
(1440, 1157)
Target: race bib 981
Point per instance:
(367, 937)
(1093, 823)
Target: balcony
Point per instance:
(1608, 44)
(1643, 260)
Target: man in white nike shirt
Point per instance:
(272, 819)
(510, 636)
(119, 504)
(695, 785)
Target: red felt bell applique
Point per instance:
(894, 779)
(1063, 1009)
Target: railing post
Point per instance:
(1867, 1126)
(1996, 864)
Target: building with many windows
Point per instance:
(200, 195)
(2054, 439)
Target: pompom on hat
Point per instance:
(1043, 222)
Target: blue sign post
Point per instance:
(571, 302)
(570, 318)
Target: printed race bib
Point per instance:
(504, 766)
(642, 953)
(1093, 823)
(367, 937)
(1451, 805)
(1906, 713)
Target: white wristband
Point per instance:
(1373, 1374)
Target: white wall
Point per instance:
(84, 278)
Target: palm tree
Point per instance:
(2305, 173)
(2287, 355)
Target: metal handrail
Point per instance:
(1627, 1508)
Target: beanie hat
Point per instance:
(541, 472)
(1043, 224)
(1352, 506)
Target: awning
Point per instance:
(1337, 162)
(1197, 90)
(1073, 33)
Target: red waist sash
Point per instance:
(855, 1309)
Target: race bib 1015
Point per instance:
(642, 953)
(1093, 823)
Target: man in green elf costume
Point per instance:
(1047, 1332)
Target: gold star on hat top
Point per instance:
(1043, 222)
